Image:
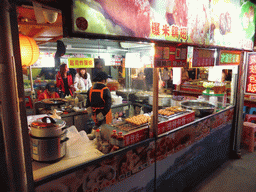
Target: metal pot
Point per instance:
(48, 139)
(50, 128)
(48, 149)
(163, 100)
(201, 108)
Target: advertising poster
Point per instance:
(207, 23)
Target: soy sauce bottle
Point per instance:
(120, 140)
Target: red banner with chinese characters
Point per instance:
(136, 136)
(176, 122)
(170, 56)
(251, 74)
(203, 58)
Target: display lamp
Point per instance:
(29, 50)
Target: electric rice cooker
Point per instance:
(48, 138)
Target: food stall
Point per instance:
(165, 146)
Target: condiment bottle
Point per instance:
(120, 139)
(105, 147)
(97, 135)
(113, 138)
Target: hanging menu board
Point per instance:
(250, 86)
(229, 57)
(207, 23)
(80, 62)
(170, 56)
(203, 57)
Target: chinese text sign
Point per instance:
(80, 62)
(251, 74)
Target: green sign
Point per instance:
(229, 57)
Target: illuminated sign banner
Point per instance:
(203, 58)
(207, 23)
(251, 74)
(229, 57)
(80, 62)
(170, 57)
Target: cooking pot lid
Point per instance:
(48, 122)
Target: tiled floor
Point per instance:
(238, 175)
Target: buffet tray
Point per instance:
(176, 121)
(124, 126)
(165, 117)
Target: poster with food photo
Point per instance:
(236, 22)
(205, 22)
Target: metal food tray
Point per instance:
(125, 126)
(165, 117)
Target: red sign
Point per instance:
(170, 57)
(203, 58)
(251, 74)
(176, 122)
(135, 136)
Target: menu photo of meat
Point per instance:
(112, 17)
(198, 21)
(135, 160)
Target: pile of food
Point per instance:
(138, 120)
(170, 111)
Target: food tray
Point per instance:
(138, 120)
(54, 101)
(124, 126)
(174, 115)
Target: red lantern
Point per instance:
(29, 50)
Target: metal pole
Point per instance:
(32, 94)
(238, 114)
(12, 132)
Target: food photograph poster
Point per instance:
(190, 21)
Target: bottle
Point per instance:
(97, 135)
(105, 147)
(120, 140)
(113, 138)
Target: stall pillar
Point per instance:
(10, 103)
(238, 115)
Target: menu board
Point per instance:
(203, 57)
(80, 62)
(229, 57)
(170, 56)
(250, 86)
(229, 23)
